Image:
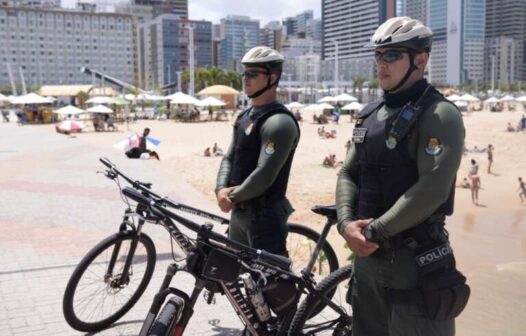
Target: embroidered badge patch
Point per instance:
(359, 121)
(390, 142)
(433, 146)
(248, 130)
(270, 148)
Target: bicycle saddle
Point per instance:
(325, 210)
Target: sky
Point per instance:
(265, 11)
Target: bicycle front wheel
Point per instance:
(301, 242)
(98, 294)
(328, 321)
(166, 322)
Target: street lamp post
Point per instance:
(336, 84)
(179, 81)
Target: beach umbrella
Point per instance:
(461, 103)
(468, 98)
(211, 101)
(294, 105)
(353, 106)
(491, 100)
(69, 126)
(100, 100)
(30, 98)
(120, 101)
(182, 98)
(521, 99)
(327, 99)
(507, 98)
(132, 140)
(325, 106)
(318, 107)
(100, 109)
(453, 97)
(69, 110)
(344, 97)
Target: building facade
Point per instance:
(505, 45)
(238, 35)
(176, 7)
(347, 26)
(164, 45)
(49, 47)
(458, 41)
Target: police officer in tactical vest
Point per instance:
(253, 176)
(394, 191)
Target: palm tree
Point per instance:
(358, 84)
(217, 75)
(82, 97)
(373, 87)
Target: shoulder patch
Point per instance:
(270, 148)
(434, 147)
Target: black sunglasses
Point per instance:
(389, 56)
(253, 73)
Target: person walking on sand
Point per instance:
(490, 157)
(522, 190)
(475, 187)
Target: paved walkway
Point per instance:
(54, 209)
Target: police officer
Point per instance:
(253, 176)
(397, 186)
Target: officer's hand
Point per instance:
(356, 240)
(224, 202)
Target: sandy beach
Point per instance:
(489, 239)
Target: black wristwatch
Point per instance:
(371, 234)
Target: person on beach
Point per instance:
(475, 187)
(137, 152)
(253, 175)
(386, 212)
(522, 190)
(489, 151)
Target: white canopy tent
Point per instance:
(100, 109)
(507, 98)
(69, 110)
(3, 98)
(211, 101)
(182, 98)
(327, 99)
(30, 98)
(294, 105)
(521, 99)
(453, 97)
(468, 98)
(344, 97)
(461, 103)
(491, 100)
(353, 106)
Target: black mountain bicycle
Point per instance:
(114, 274)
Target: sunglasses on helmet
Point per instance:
(389, 56)
(252, 73)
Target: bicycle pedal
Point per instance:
(209, 297)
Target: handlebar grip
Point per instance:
(136, 196)
(105, 161)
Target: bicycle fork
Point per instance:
(165, 290)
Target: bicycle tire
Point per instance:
(167, 319)
(300, 258)
(304, 312)
(75, 316)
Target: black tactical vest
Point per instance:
(247, 146)
(386, 174)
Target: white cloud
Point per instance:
(264, 11)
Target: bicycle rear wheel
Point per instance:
(301, 241)
(327, 321)
(96, 296)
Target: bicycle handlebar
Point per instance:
(145, 188)
(203, 229)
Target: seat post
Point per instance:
(319, 245)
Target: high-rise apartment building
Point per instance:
(505, 47)
(47, 4)
(416, 9)
(238, 35)
(164, 45)
(50, 46)
(177, 7)
(458, 41)
(348, 25)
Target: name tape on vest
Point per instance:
(358, 135)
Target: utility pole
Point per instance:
(191, 57)
(493, 74)
(179, 81)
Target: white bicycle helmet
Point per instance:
(268, 59)
(262, 54)
(403, 32)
